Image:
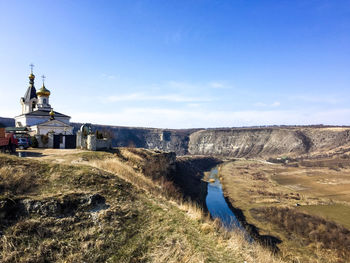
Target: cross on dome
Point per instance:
(31, 67)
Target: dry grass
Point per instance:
(14, 181)
(131, 173)
(146, 221)
(249, 186)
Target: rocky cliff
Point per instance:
(169, 140)
(233, 142)
(267, 141)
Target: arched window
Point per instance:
(33, 105)
(44, 101)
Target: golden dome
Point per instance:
(43, 91)
(52, 113)
(31, 76)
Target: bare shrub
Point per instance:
(313, 229)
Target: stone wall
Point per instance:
(90, 142)
(103, 144)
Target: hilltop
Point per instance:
(75, 206)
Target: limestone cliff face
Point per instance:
(244, 142)
(267, 141)
(168, 140)
(234, 142)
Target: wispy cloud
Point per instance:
(196, 86)
(217, 85)
(311, 98)
(261, 104)
(147, 97)
(194, 118)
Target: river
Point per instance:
(216, 203)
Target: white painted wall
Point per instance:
(35, 120)
(51, 129)
(28, 106)
(41, 105)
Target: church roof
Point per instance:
(43, 91)
(52, 123)
(30, 93)
(44, 113)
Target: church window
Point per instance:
(33, 105)
(44, 101)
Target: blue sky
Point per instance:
(181, 64)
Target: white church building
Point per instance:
(38, 115)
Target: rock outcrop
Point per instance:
(233, 142)
(66, 205)
(267, 141)
(168, 140)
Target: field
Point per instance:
(304, 203)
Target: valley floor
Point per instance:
(304, 203)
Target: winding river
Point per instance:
(216, 203)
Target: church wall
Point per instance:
(20, 121)
(34, 120)
(50, 129)
(63, 119)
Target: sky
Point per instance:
(180, 63)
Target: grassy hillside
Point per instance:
(104, 207)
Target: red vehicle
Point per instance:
(8, 141)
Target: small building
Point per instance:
(85, 139)
(40, 118)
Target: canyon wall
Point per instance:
(251, 142)
(168, 140)
(233, 142)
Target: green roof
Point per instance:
(16, 129)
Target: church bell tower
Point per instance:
(30, 99)
(43, 97)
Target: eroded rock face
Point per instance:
(266, 142)
(169, 140)
(64, 206)
(234, 142)
(68, 206)
(245, 142)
